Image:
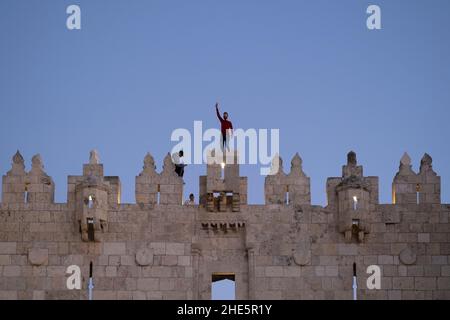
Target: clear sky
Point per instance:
(139, 69)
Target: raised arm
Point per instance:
(218, 113)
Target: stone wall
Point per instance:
(280, 250)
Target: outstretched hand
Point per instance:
(217, 105)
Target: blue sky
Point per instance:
(139, 69)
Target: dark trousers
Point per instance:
(224, 142)
(179, 169)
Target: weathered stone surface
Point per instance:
(38, 257)
(302, 255)
(144, 257)
(8, 247)
(114, 248)
(408, 256)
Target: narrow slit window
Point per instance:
(287, 200)
(90, 201)
(158, 195)
(418, 193)
(355, 202)
(90, 223)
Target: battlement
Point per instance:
(166, 187)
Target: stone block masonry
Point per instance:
(287, 248)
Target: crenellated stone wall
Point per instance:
(159, 248)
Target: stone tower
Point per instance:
(223, 189)
(354, 196)
(91, 196)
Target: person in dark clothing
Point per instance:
(226, 127)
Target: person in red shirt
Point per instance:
(226, 127)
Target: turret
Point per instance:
(223, 189)
(91, 196)
(354, 196)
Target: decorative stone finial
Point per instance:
(36, 162)
(17, 158)
(296, 161)
(351, 159)
(149, 162)
(94, 157)
(149, 165)
(426, 164)
(168, 163)
(352, 168)
(18, 165)
(296, 165)
(405, 167)
(405, 160)
(37, 166)
(426, 160)
(277, 165)
(169, 167)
